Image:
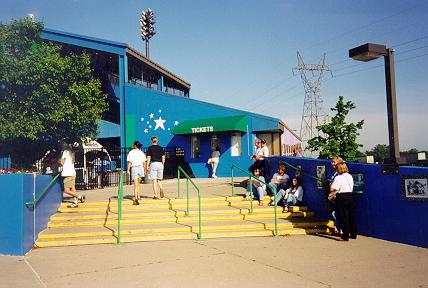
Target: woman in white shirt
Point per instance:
(215, 158)
(259, 188)
(137, 167)
(69, 175)
(343, 183)
(293, 196)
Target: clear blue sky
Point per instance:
(241, 53)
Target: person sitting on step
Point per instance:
(293, 196)
(279, 180)
(259, 189)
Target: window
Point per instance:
(236, 147)
(195, 147)
(215, 142)
(273, 142)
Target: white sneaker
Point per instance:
(214, 176)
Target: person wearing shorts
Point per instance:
(156, 161)
(137, 166)
(69, 175)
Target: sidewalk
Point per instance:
(294, 261)
(291, 261)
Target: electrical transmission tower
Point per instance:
(313, 114)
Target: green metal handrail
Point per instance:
(36, 200)
(251, 194)
(187, 195)
(119, 205)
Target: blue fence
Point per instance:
(382, 210)
(19, 224)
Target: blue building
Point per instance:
(146, 99)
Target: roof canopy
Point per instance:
(210, 125)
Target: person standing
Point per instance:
(332, 204)
(343, 184)
(156, 162)
(69, 175)
(137, 166)
(215, 159)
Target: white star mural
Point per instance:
(160, 123)
(151, 122)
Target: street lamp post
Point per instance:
(368, 52)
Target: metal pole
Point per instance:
(178, 176)
(187, 193)
(391, 102)
(233, 184)
(251, 196)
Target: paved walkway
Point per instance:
(292, 261)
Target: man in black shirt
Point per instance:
(156, 161)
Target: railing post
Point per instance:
(178, 172)
(200, 217)
(187, 194)
(119, 206)
(251, 195)
(233, 183)
(275, 212)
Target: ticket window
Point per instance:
(195, 146)
(236, 145)
(273, 142)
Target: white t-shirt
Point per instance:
(68, 166)
(215, 155)
(279, 177)
(343, 183)
(297, 192)
(262, 151)
(136, 157)
(261, 178)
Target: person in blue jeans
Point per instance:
(259, 188)
(292, 196)
(279, 180)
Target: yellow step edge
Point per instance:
(191, 218)
(207, 234)
(303, 225)
(184, 229)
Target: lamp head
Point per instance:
(367, 52)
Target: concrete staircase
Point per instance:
(165, 219)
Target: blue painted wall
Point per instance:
(382, 211)
(20, 225)
(142, 102)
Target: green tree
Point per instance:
(44, 96)
(413, 151)
(380, 152)
(339, 138)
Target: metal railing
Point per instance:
(251, 194)
(36, 200)
(318, 179)
(179, 171)
(119, 205)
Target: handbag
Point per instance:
(332, 196)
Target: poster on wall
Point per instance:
(298, 171)
(321, 176)
(415, 187)
(358, 182)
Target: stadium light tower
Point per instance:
(147, 27)
(368, 52)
